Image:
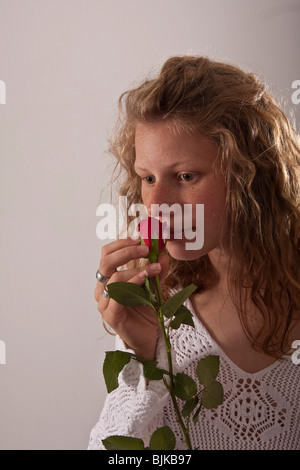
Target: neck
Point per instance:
(220, 261)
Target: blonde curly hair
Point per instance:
(260, 157)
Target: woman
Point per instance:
(205, 132)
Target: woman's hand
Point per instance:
(137, 326)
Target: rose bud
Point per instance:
(151, 231)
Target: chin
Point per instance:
(178, 251)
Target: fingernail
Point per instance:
(143, 274)
(155, 267)
(142, 250)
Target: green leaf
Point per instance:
(184, 386)
(173, 303)
(150, 292)
(208, 369)
(182, 316)
(162, 439)
(152, 372)
(212, 396)
(114, 362)
(189, 406)
(128, 293)
(196, 415)
(123, 443)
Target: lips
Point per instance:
(172, 234)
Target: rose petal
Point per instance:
(150, 229)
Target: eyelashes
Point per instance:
(182, 177)
(149, 179)
(187, 177)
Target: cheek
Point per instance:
(145, 200)
(213, 211)
(214, 207)
(215, 216)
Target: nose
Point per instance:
(160, 193)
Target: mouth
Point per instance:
(172, 234)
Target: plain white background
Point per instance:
(65, 63)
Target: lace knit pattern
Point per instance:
(260, 411)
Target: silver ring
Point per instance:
(101, 278)
(105, 293)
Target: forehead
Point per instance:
(164, 141)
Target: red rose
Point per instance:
(151, 231)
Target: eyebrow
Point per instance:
(181, 163)
(137, 167)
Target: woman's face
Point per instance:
(177, 168)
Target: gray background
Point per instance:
(65, 63)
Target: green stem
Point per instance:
(158, 289)
(180, 420)
(170, 364)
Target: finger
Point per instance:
(118, 244)
(128, 248)
(136, 276)
(110, 262)
(164, 261)
(127, 275)
(98, 294)
(102, 300)
(138, 279)
(115, 308)
(115, 247)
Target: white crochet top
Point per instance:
(260, 411)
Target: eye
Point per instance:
(149, 179)
(186, 177)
